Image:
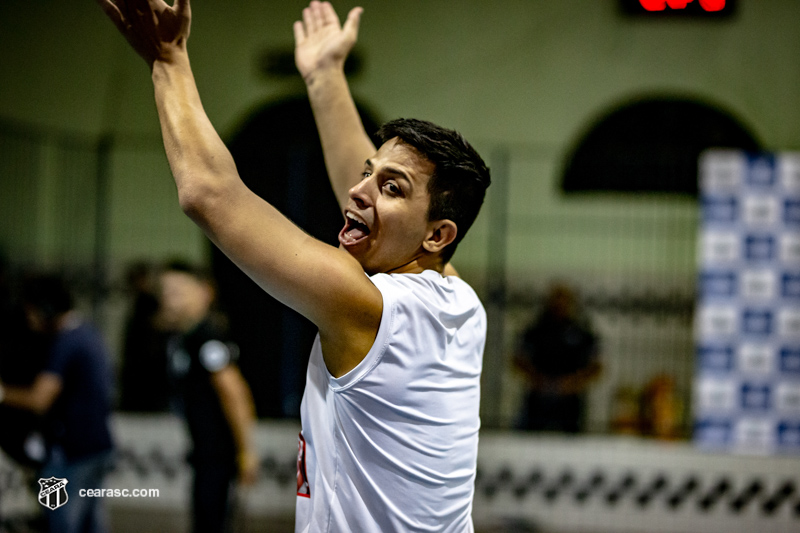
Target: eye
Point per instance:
(393, 188)
(366, 174)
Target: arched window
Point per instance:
(652, 145)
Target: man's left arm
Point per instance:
(238, 407)
(38, 397)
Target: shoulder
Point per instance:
(81, 343)
(210, 344)
(428, 280)
(429, 291)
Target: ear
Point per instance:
(440, 234)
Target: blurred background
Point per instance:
(592, 117)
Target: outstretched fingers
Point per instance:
(112, 12)
(318, 14)
(153, 28)
(309, 21)
(326, 14)
(182, 8)
(143, 12)
(299, 33)
(353, 21)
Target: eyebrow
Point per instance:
(391, 170)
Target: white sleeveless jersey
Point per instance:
(392, 445)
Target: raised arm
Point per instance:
(321, 47)
(323, 283)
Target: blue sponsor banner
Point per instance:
(791, 212)
(757, 321)
(719, 358)
(756, 396)
(760, 171)
(789, 360)
(714, 432)
(748, 308)
(760, 248)
(716, 209)
(789, 434)
(719, 283)
(790, 285)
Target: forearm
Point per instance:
(345, 143)
(200, 162)
(579, 381)
(238, 407)
(25, 398)
(18, 397)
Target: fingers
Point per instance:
(113, 12)
(353, 21)
(308, 20)
(182, 8)
(299, 33)
(318, 15)
(139, 6)
(142, 15)
(326, 14)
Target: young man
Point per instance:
(210, 392)
(73, 394)
(390, 411)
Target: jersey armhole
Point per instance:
(373, 357)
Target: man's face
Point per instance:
(387, 214)
(185, 300)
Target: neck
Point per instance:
(67, 321)
(420, 264)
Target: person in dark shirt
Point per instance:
(559, 358)
(73, 392)
(143, 357)
(211, 394)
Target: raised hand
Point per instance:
(154, 29)
(320, 41)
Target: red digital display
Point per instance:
(661, 5)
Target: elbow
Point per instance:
(39, 408)
(197, 200)
(190, 201)
(39, 405)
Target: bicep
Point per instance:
(323, 283)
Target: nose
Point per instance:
(360, 193)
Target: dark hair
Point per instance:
(48, 293)
(185, 267)
(460, 177)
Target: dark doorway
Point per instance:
(652, 145)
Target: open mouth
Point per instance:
(354, 231)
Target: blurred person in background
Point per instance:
(143, 354)
(21, 436)
(73, 394)
(211, 394)
(559, 358)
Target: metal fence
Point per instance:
(90, 206)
